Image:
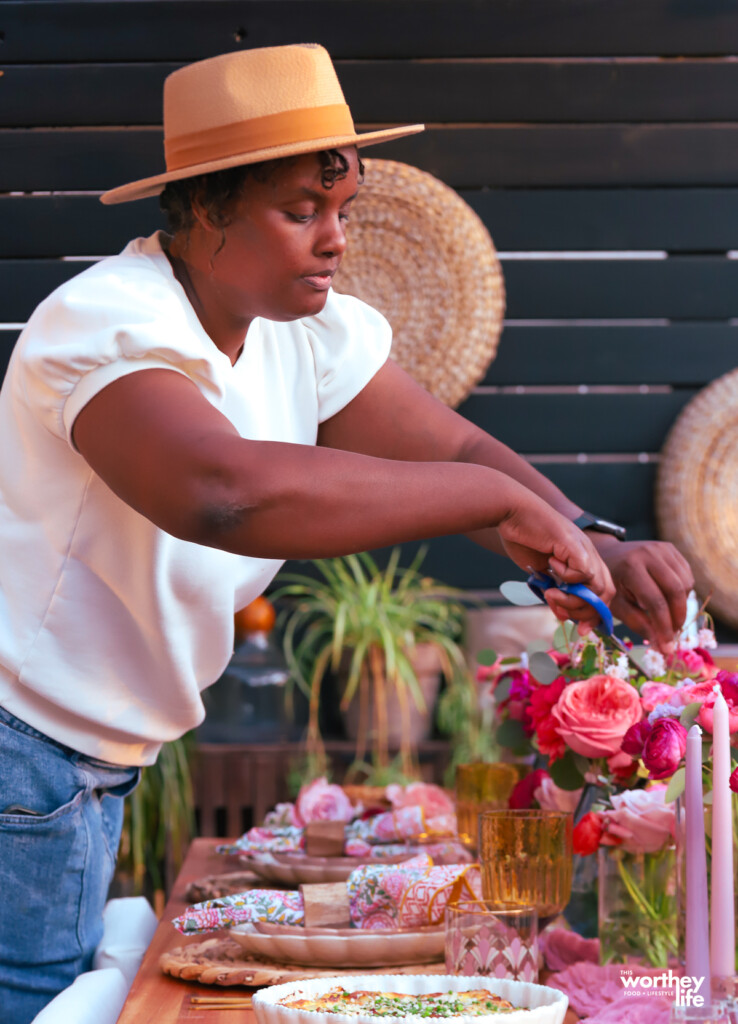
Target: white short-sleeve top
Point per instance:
(110, 627)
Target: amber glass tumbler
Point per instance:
(480, 787)
(526, 859)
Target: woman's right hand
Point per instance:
(536, 536)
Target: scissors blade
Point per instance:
(619, 645)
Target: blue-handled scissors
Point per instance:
(540, 582)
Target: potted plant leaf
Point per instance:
(374, 628)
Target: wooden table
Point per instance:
(155, 998)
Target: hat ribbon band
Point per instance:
(288, 126)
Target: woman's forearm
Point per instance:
(487, 451)
(270, 499)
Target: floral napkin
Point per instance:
(383, 834)
(408, 895)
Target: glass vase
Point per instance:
(638, 906)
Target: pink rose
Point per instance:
(659, 693)
(635, 738)
(433, 800)
(640, 821)
(733, 780)
(551, 798)
(323, 801)
(704, 694)
(664, 748)
(593, 715)
(698, 662)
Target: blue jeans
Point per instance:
(61, 815)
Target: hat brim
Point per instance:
(153, 186)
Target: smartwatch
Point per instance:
(586, 521)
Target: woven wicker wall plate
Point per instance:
(419, 254)
(697, 493)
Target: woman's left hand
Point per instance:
(652, 581)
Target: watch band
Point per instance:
(586, 521)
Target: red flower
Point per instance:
(733, 781)
(549, 741)
(521, 797)
(587, 834)
(542, 700)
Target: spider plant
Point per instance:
(369, 620)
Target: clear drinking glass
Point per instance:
(492, 940)
(526, 859)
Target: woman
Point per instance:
(179, 419)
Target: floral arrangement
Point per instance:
(608, 731)
(595, 715)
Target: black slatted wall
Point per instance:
(598, 141)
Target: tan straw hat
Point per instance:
(248, 106)
(697, 493)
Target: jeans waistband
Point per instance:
(74, 755)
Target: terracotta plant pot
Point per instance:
(427, 664)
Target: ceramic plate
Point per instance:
(340, 947)
(538, 1004)
(294, 869)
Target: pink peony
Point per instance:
(635, 738)
(640, 821)
(665, 746)
(593, 715)
(322, 801)
(433, 800)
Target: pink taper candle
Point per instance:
(697, 963)
(722, 907)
